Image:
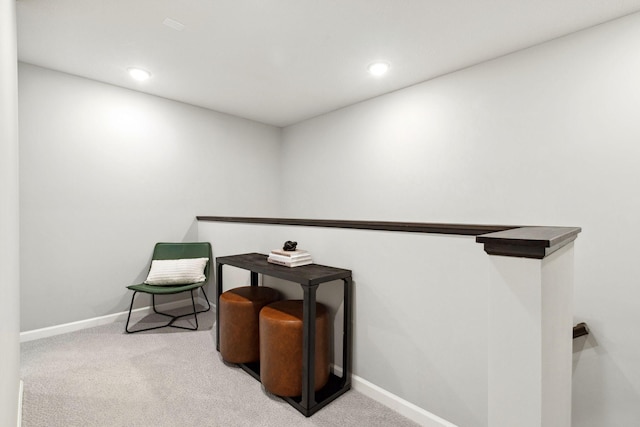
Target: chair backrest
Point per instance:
(184, 250)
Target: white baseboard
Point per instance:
(98, 321)
(403, 407)
(390, 400)
(20, 393)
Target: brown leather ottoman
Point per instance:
(239, 332)
(281, 347)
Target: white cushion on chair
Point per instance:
(176, 271)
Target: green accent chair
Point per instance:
(164, 251)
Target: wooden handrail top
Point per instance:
(504, 240)
(410, 227)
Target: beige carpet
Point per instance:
(167, 377)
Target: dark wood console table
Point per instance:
(309, 277)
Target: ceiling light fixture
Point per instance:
(139, 74)
(378, 68)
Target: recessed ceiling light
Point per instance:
(139, 74)
(378, 68)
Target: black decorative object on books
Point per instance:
(289, 246)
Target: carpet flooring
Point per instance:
(166, 377)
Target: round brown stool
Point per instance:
(239, 332)
(281, 347)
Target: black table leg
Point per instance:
(308, 347)
(218, 293)
(254, 278)
(346, 334)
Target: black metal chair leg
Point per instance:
(126, 327)
(173, 318)
(195, 314)
(206, 299)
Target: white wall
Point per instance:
(106, 172)
(9, 219)
(546, 136)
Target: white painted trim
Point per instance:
(98, 321)
(403, 407)
(20, 393)
(391, 401)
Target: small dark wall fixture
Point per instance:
(580, 330)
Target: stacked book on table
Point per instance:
(290, 258)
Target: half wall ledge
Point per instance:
(406, 227)
(505, 240)
(528, 242)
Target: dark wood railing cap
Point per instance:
(407, 227)
(506, 240)
(528, 242)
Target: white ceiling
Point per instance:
(283, 61)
